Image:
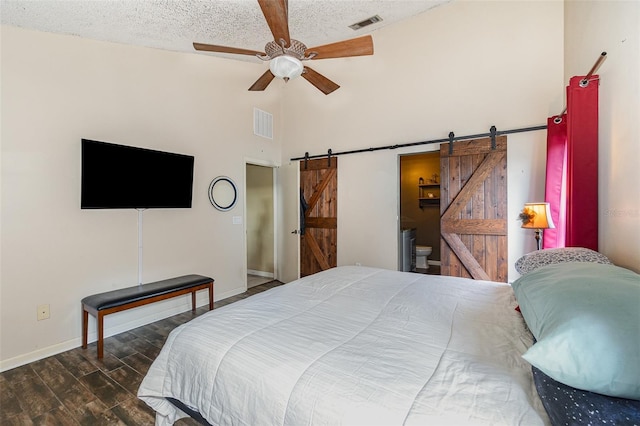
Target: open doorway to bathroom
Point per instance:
(260, 224)
(420, 212)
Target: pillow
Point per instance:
(586, 319)
(532, 261)
(570, 406)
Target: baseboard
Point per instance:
(434, 262)
(260, 273)
(48, 351)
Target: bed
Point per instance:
(353, 345)
(584, 313)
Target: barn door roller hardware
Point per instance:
(492, 134)
(410, 144)
(451, 139)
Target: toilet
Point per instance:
(422, 254)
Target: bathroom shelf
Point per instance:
(423, 199)
(429, 201)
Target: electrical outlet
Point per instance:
(43, 312)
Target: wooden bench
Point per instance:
(107, 303)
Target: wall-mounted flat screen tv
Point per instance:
(120, 177)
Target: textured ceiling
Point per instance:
(176, 24)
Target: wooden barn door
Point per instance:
(473, 209)
(319, 232)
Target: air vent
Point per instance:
(366, 22)
(262, 123)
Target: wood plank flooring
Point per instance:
(75, 388)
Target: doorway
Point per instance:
(260, 223)
(420, 211)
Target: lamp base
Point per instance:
(538, 238)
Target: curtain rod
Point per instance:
(493, 132)
(451, 137)
(592, 71)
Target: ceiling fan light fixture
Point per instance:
(286, 67)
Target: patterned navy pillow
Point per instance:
(534, 260)
(570, 406)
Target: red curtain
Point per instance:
(556, 182)
(572, 169)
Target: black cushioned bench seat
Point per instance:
(122, 299)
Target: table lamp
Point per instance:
(537, 216)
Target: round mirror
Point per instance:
(223, 193)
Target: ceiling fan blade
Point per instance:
(321, 82)
(277, 15)
(354, 47)
(225, 49)
(262, 82)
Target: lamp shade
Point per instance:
(539, 216)
(286, 67)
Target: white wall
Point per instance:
(55, 253)
(461, 67)
(592, 27)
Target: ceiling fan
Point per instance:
(285, 55)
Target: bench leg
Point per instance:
(193, 298)
(85, 326)
(100, 320)
(211, 296)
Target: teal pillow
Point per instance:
(586, 320)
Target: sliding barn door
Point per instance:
(473, 208)
(319, 215)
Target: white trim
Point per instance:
(298, 186)
(275, 221)
(48, 351)
(260, 273)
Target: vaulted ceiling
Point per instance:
(176, 24)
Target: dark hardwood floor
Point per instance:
(75, 388)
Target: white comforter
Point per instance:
(353, 346)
